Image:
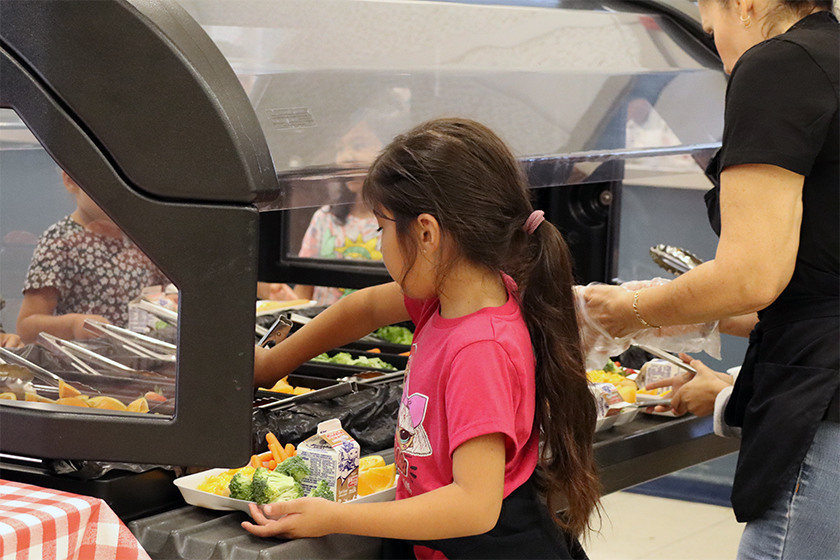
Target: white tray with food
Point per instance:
(326, 465)
(195, 497)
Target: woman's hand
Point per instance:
(696, 395)
(304, 517)
(675, 383)
(612, 308)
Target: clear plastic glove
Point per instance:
(609, 307)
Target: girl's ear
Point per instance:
(428, 233)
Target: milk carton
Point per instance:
(332, 455)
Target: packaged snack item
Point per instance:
(606, 395)
(332, 455)
(657, 370)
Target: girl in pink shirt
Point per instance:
(496, 363)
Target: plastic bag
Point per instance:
(599, 345)
(369, 415)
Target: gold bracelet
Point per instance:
(636, 311)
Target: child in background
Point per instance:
(496, 361)
(348, 229)
(84, 267)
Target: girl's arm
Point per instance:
(761, 214)
(470, 505)
(36, 316)
(349, 319)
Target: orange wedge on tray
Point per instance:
(375, 475)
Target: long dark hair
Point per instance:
(461, 173)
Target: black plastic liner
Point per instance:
(369, 415)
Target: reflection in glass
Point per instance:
(82, 297)
(344, 228)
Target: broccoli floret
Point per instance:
(295, 467)
(322, 490)
(270, 486)
(240, 486)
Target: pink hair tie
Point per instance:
(534, 220)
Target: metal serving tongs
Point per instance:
(136, 343)
(77, 352)
(666, 356)
(52, 344)
(277, 332)
(38, 372)
(159, 311)
(326, 393)
(16, 379)
(674, 259)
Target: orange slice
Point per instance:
(106, 403)
(376, 479)
(139, 405)
(371, 461)
(8, 396)
(72, 401)
(65, 390)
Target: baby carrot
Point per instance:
(271, 438)
(279, 453)
(255, 461)
(272, 465)
(290, 450)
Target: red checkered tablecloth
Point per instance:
(42, 524)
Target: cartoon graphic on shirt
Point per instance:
(360, 249)
(411, 438)
(331, 245)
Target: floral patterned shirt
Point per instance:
(93, 274)
(326, 238)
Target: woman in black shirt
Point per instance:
(775, 208)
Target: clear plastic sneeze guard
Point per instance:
(333, 81)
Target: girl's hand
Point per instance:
(304, 517)
(612, 308)
(10, 340)
(79, 331)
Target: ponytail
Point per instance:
(565, 406)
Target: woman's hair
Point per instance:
(780, 9)
(461, 173)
